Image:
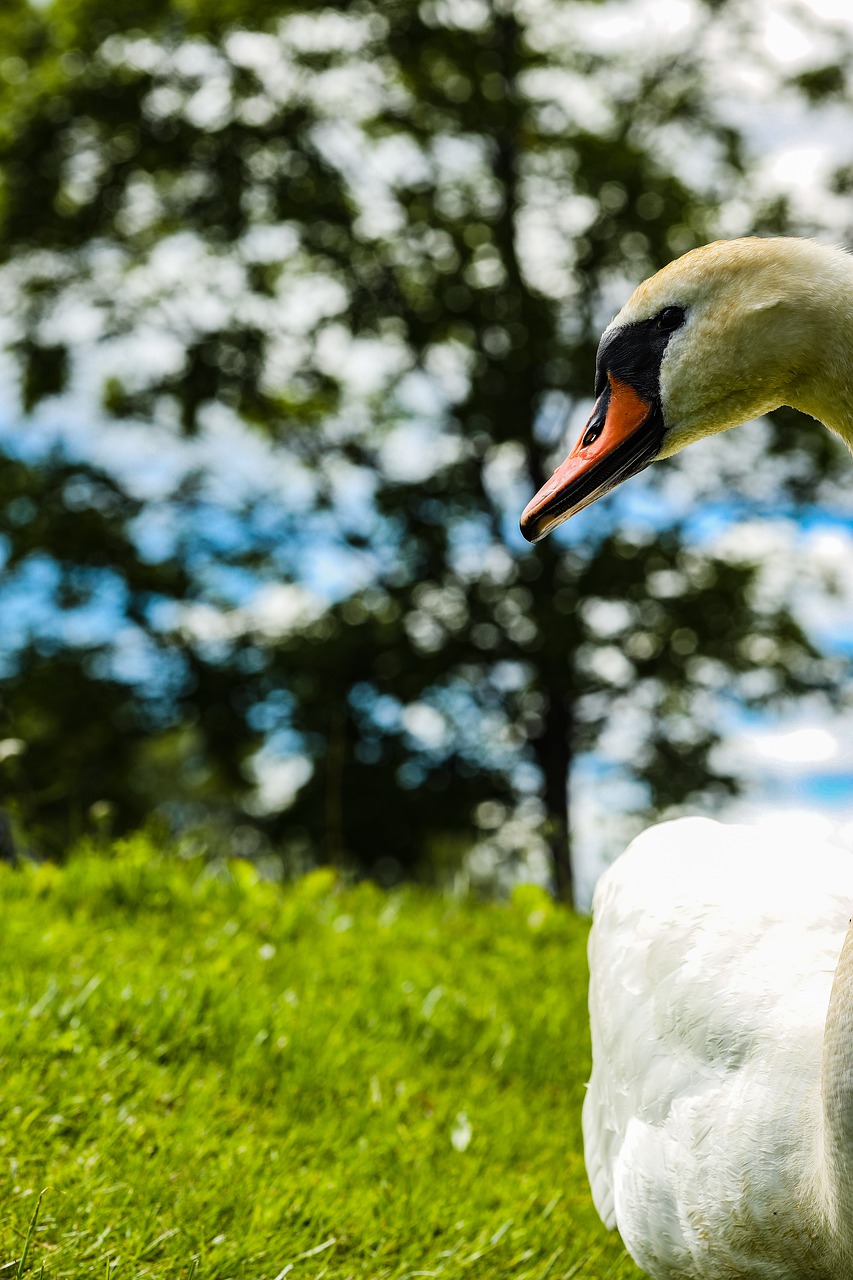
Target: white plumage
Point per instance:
(712, 961)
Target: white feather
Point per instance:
(712, 958)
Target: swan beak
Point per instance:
(623, 435)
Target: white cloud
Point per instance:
(277, 781)
(789, 747)
(426, 725)
(799, 746)
(275, 610)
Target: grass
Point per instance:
(212, 1076)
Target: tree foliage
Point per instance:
(384, 237)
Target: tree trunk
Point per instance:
(553, 749)
(335, 765)
(553, 746)
(8, 853)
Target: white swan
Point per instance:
(718, 1124)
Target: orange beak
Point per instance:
(623, 435)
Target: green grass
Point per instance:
(211, 1076)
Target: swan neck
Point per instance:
(824, 387)
(837, 1091)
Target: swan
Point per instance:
(718, 1120)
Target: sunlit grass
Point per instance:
(215, 1076)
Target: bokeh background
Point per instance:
(300, 304)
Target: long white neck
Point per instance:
(837, 1097)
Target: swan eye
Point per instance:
(670, 318)
(591, 437)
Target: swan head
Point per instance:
(722, 335)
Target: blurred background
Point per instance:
(300, 305)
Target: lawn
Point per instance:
(214, 1076)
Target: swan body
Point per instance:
(718, 1124)
(712, 962)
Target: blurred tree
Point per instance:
(94, 695)
(386, 234)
